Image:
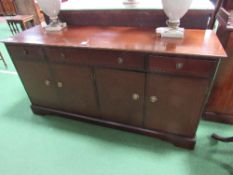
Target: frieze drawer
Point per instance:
(26, 52)
(115, 59)
(182, 66)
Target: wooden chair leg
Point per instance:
(222, 139)
(4, 62)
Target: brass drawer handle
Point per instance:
(63, 56)
(47, 82)
(120, 60)
(135, 96)
(179, 66)
(59, 84)
(153, 99)
(25, 52)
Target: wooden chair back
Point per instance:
(2, 59)
(15, 26)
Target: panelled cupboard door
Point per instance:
(173, 104)
(38, 83)
(76, 89)
(121, 95)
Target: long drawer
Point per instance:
(26, 52)
(181, 66)
(107, 58)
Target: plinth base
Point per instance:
(177, 140)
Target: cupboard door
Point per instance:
(76, 89)
(121, 95)
(38, 83)
(173, 104)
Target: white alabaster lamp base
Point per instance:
(168, 32)
(174, 10)
(130, 3)
(55, 28)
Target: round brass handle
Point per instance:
(179, 65)
(120, 60)
(59, 84)
(47, 82)
(153, 99)
(25, 52)
(135, 97)
(62, 55)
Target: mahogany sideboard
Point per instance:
(122, 77)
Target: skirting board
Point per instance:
(177, 140)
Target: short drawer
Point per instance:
(105, 58)
(182, 66)
(26, 52)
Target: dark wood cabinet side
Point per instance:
(221, 100)
(1, 9)
(220, 104)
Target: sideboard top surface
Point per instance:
(195, 43)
